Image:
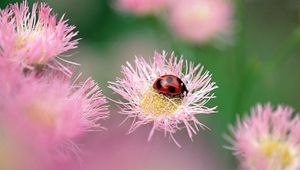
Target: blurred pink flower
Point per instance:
(142, 7)
(35, 38)
(129, 152)
(145, 105)
(9, 76)
(49, 113)
(201, 21)
(268, 139)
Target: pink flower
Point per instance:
(49, 113)
(9, 76)
(146, 105)
(200, 21)
(142, 7)
(131, 153)
(35, 38)
(268, 139)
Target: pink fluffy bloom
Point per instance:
(200, 21)
(35, 38)
(142, 7)
(49, 114)
(9, 76)
(167, 113)
(268, 139)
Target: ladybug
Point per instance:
(170, 85)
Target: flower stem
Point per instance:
(240, 57)
(284, 52)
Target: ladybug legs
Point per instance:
(180, 96)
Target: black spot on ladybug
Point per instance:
(179, 80)
(158, 84)
(171, 89)
(169, 79)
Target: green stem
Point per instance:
(240, 57)
(239, 64)
(286, 50)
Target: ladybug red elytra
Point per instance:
(170, 85)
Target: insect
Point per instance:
(170, 85)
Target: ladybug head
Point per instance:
(184, 89)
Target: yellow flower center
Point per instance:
(42, 114)
(198, 13)
(26, 38)
(156, 104)
(278, 151)
(203, 13)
